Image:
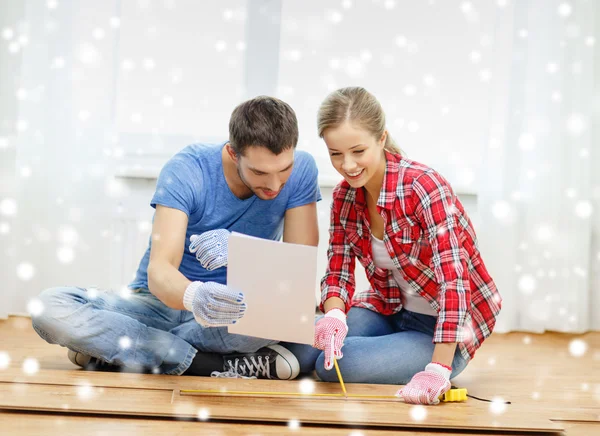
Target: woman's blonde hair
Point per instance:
(361, 108)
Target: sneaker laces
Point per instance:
(250, 367)
(229, 374)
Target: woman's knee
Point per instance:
(365, 322)
(322, 373)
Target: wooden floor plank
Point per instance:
(34, 424)
(150, 402)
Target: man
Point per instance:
(174, 321)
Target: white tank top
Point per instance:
(411, 300)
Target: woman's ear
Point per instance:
(383, 138)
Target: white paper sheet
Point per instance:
(278, 280)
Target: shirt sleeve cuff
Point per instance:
(334, 291)
(449, 332)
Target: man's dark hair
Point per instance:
(265, 122)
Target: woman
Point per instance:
(432, 302)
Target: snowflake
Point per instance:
(67, 235)
(485, 75)
(30, 366)
(497, 406)
(307, 386)
(418, 413)
(115, 22)
(389, 4)
(85, 391)
(401, 41)
(502, 211)
(293, 55)
(335, 17)
(527, 284)
(544, 233)
(124, 342)
(412, 126)
(583, 209)
(410, 90)
(4, 360)
(576, 124)
(25, 271)
(220, 45)
(526, 141)
(552, 67)
(203, 414)
(65, 255)
(8, 207)
(294, 424)
(564, 10)
(577, 347)
(35, 307)
(429, 80)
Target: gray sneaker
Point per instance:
(272, 362)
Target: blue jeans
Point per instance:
(386, 349)
(139, 331)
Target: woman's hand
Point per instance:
(427, 386)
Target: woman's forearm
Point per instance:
(444, 353)
(333, 303)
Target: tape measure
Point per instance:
(452, 396)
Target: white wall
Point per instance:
(10, 61)
(93, 93)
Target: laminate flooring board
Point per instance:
(34, 424)
(154, 402)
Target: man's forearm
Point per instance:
(167, 284)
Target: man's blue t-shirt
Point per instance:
(193, 182)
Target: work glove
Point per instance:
(427, 386)
(213, 304)
(330, 332)
(210, 248)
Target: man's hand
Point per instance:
(427, 386)
(211, 248)
(213, 304)
(330, 332)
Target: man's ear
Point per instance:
(231, 152)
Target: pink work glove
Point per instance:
(330, 332)
(427, 386)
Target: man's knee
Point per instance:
(52, 305)
(243, 344)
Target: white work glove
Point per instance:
(427, 386)
(210, 248)
(213, 304)
(330, 332)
